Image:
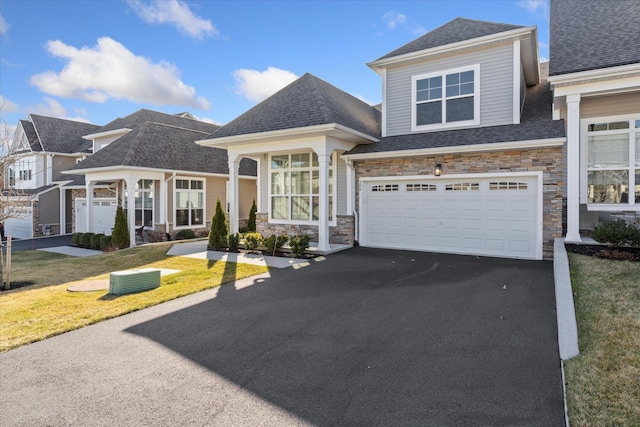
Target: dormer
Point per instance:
(102, 139)
(463, 74)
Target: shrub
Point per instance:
(156, 236)
(234, 241)
(85, 240)
(275, 243)
(120, 236)
(219, 231)
(617, 233)
(76, 238)
(105, 242)
(95, 241)
(252, 241)
(185, 234)
(251, 225)
(244, 230)
(299, 244)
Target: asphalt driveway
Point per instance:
(363, 337)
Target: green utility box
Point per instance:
(129, 281)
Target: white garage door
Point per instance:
(104, 215)
(20, 227)
(493, 216)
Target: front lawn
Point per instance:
(47, 308)
(603, 382)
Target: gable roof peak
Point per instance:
(457, 30)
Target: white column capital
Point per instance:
(573, 98)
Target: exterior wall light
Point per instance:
(438, 169)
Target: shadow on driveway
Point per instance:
(377, 337)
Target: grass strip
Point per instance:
(47, 308)
(603, 382)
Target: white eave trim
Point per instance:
(461, 149)
(107, 133)
(284, 134)
(144, 169)
(448, 48)
(600, 73)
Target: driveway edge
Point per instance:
(565, 310)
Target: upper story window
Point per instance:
(25, 170)
(446, 99)
(294, 189)
(613, 162)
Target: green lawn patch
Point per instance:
(47, 308)
(603, 382)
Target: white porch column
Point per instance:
(324, 153)
(131, 210)
(63, 210)
(162, 215)
(89, 192)
(234, 167)
(573, 169)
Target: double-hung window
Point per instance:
(612, 162)
(143, 202)
(446, 99)
(294, 191)
(189, 203)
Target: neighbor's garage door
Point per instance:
(104, 215)
(497, 216)
(20, 227)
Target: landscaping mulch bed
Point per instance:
(606, 252)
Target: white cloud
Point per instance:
(50, 108)
(8, 106)
(176, 13)
(111, 71)
(393, 19)
(4, 27)
(534, 5)
(258, 85)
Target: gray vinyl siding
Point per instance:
(62, 163)
(496, 90)
(49, 208)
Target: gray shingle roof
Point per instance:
(60, 135)
(591, 34)
(158, 146)
(32, 136)
(140, 117)
(458, 30)
(308, 101)
(536, 123)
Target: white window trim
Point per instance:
(204, 202)
(584, 123)
(271, 220)
(436, 126)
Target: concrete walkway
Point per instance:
(199, 250)
(71, 251)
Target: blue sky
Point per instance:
(98, 60)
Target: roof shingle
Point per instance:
(582, 38)
(460, 29)
(159, 146)
(308, 101)
(60, 135)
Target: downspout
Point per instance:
(352, 207)
(166, 217)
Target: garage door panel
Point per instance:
(490, 216)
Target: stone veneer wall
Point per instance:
(548, 160)
(343, 233)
